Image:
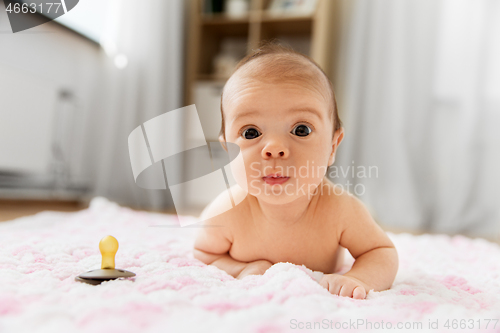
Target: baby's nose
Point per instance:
(274, 151)
(281, 153)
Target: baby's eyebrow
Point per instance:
(244, 114)
(308, 109)
(293, 110)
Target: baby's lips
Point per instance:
(275, 175)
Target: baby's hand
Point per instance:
(343, 286)
(257, 267)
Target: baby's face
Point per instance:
(282, 129)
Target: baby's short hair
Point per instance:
(277, 63)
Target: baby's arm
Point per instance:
(376, 259)
(212, 246)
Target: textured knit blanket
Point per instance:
(443, 284)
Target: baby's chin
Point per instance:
(279, 199)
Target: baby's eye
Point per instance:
(250, 133)
(301, 130)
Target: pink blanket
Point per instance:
(444, 283)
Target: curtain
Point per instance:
(142, 78)
(418, 86)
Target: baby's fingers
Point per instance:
(324, 283)
(356, 292)
(359, 293)
(343, 286)
(346, 290)
(331, 285)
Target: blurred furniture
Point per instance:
(37, 139)
(12, 209)
(212, 36)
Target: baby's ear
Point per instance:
(337, 139)
(223, 142)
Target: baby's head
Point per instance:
(279, 107)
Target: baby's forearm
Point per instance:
(229, 265)
(223, 261)
(377, 268)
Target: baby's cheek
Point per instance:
(240, 172)
(254, 182)
(311, 170)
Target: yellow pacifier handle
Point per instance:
(108, 247)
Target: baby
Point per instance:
(279, 108)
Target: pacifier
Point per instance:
(108, 247)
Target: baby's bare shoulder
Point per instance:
(359, 231)
(226, 208)
(345, 206)
(220, 219)
(215, 234)
(335, 197)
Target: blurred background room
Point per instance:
(417, 85)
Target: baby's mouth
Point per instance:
(274, 178)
